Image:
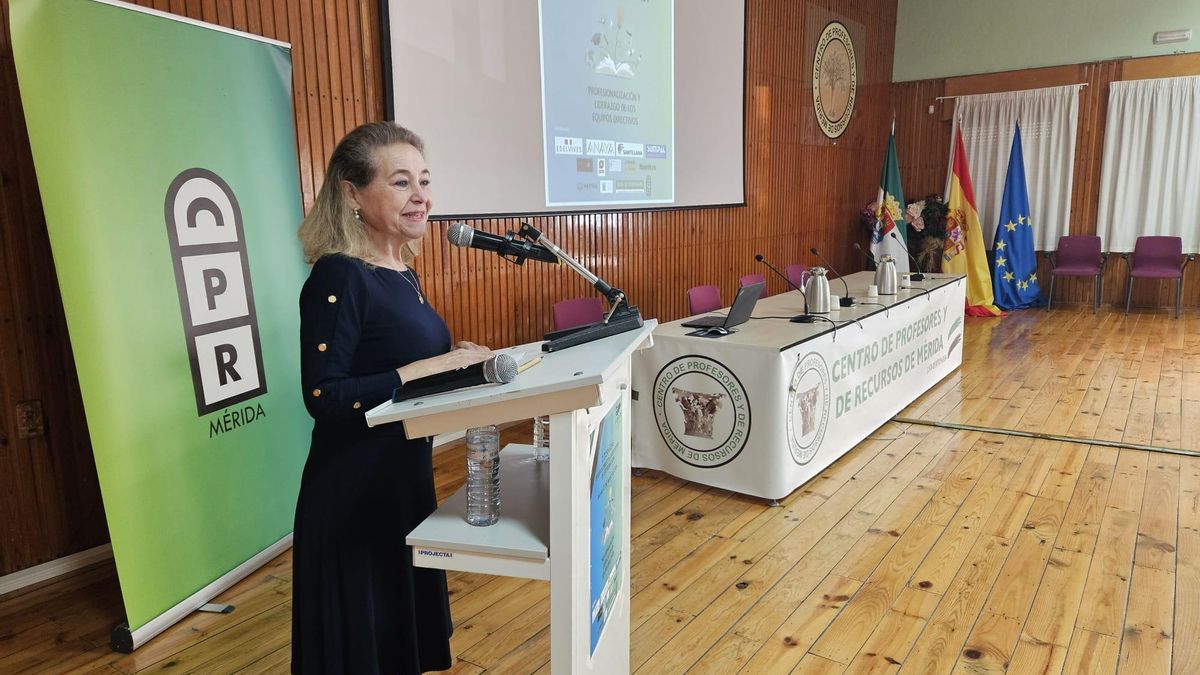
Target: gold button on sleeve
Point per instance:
(321, 347)
(316, 393)
(332, 299)
(357, 405)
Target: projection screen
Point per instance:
(571, 105)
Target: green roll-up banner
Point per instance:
(166, 157)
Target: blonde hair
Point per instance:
(331, 227)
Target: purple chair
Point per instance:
(1157, 258)
(1078, 256)
(797, 274)
(751, 279)
(703, 299)
(577, 312)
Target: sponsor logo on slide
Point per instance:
(631, 150)
(808, 407)
(600, 166)
(656, 151)
(615, 166)
(606, 187)
(596, 147)
(567, 145)
(584, 165)
(702, 411)
(631, 186)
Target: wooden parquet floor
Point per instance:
(923, 550)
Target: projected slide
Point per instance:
(608, 101)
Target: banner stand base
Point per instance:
(124, 640)
(215, 608)
(121, 639)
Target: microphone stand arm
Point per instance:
(621, 317)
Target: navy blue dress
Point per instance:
(359, 606)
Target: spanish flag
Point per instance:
(964, 252)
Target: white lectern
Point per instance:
(570, 526)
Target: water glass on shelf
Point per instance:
(483, 475)
(541, 438)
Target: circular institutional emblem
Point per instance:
(809, 398)
(701, 410)
(834, 79)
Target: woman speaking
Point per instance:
(366, 327)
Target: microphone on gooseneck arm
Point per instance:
(913, 277)
(847, 300)
(799, 318)
(499, 369)
(461, 234)
(867, 254)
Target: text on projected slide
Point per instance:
(608, 101)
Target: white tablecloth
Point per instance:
(765, 409)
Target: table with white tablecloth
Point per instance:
(763, 410)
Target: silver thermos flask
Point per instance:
(816, 292)
(885, 275)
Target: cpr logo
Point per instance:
(212, 274)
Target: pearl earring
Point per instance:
(358, 215)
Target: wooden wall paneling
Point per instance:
(237, 14)
(331, 123)
(209, 11)
(18, 507)
(372, 66)
(253, 17)
(51, 494)
(1151, 67)
(343, 78)
(266, 20)
(304, 80)
(354, 99)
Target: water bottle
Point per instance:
(483, 475)
(541, 438)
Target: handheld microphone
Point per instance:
(914, 277)
(799, 318)
(461, 234)
(869, 256)
(496, 370)
(846, 300)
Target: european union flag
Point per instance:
(1014, 262)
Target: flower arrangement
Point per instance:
(926, 220)
(927, 231)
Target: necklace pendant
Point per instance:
(421, 298)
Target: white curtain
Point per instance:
(1049, 118)
(1150, 183)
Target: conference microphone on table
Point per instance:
(799, 318)
(846, 300)
(912, 277)
(461, 234)
(867, 254)
(499, 369)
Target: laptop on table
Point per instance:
(739, 312)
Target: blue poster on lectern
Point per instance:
(606, 536)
